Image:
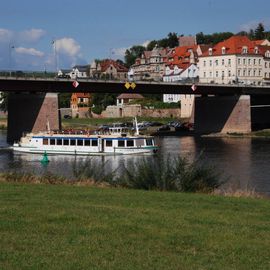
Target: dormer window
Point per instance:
(244, 49)
(210, 51)
(267, 53)
(256, 50)
(223, 50)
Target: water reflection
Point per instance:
(244, 160)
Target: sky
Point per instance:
(58, 34)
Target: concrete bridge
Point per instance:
(218, 108)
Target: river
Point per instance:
(245, 161)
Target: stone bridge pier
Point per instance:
(32, 113)
(231, 114)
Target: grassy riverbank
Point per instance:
(72, 227)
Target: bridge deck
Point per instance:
(8, 84)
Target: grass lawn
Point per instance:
(93, 122)
(72, 227)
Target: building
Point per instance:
(108, 69)
(151, 65)
(124, 98)
(187, 41)
(79, 104)
(236, 60)
(74, 73)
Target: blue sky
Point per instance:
(88, 29)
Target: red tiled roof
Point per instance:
(234, 45)
(130, 96)
(81, 95)
(107, 63)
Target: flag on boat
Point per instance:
(75, 84)
(193, 87)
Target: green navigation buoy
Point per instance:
(45, 159)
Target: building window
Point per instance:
(210, 63)
(223, 50)
(244, 72)
(238, 72)
(229, 73)
(244, 49)
(210, 51)
(216, 62)
(260, 62)
(229, 62)
(216, 73)
(249, 61)
(249, 72)
(256, 50)
(222, 62)
(239, 61)
(204, 63)
(254, 72)
(222, 74)
(244, 61)
(204, 74)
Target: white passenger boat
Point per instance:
(114, 141)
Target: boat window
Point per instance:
(80, 142)
(121, 143)
(52, 141)
(94, 143)
(139, 142)
(45, 141)
(87, 142)
(130, 143)
(72, 142)
(149, 142)
(59, 141)
(109, 143)
(66, 142)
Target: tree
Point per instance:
(259, 32)
(133, 53)
(151, 45)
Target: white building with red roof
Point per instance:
(236, 60)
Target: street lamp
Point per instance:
(55, 55)
(10, 47)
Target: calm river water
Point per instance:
(245, 161)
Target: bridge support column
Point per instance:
(31, 113)
(222, 114)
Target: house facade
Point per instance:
(150, 66)
(79, 104)
(126, 98)
(108, 69)
(235, 60)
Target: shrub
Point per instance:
(170, 174)
(97, 109)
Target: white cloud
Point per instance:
(29, 51)
(67, 46)
(32, 35)
(5, 35)
(146, 43)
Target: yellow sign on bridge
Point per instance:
(130, 85)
